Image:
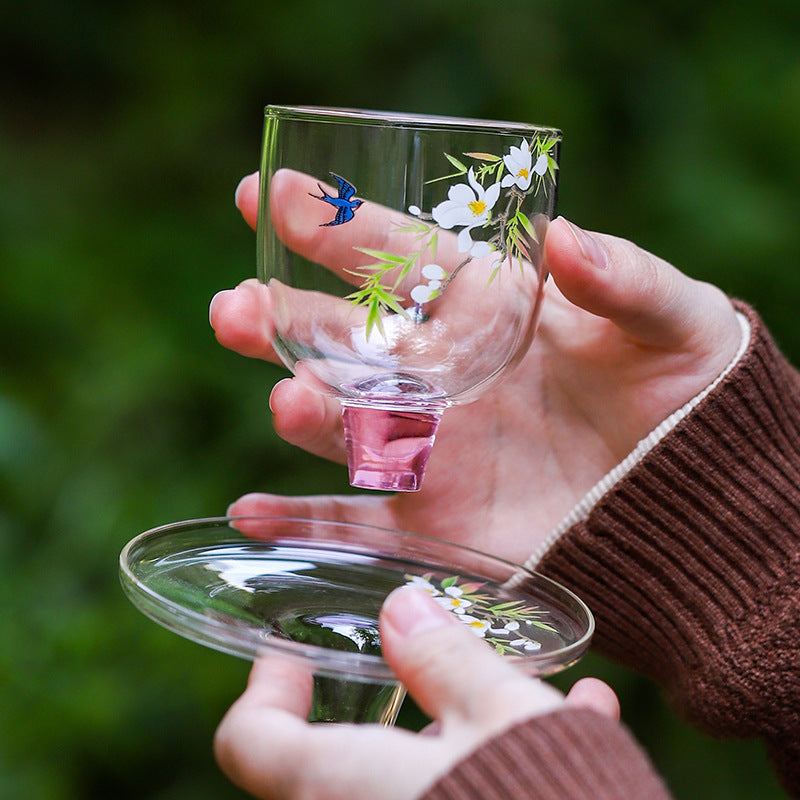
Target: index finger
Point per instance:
(242, 320)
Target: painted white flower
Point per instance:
(506, 630)
(484, 249)
(510, 629)
(434, 272)
(481, 249)
(422, 583)
(478, 626)
(453, 600)
(423, 293)
(526, 644)
(520, 167)
(468, 205)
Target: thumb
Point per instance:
(452, 675)
(642, 294)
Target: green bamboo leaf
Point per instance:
(374, 319)
(471, 588)
(547, 145)
(415, 226)
(483, 156)
(373, 273)
(445, 178)
(537, 623)
(381, 255)
(500, 609)
(522, 250)
(360, 297)
(456, 163)
(390, 302)
(526, 223)
(501, 647)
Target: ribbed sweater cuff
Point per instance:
(572, 754)
(691, 562)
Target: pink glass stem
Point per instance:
(388, 448)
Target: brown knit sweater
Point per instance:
(691, 564)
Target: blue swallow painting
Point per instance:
(345, 204)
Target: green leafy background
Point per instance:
(124, 128)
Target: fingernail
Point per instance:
(411, 611)
(590, 247)
(276, 389)
(211, 308)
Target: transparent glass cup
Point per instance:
(310, 592)
(403, 257)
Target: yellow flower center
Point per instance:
(523, 173)
(477, 207)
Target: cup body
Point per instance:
(403, 255)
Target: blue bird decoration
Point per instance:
(345, 204)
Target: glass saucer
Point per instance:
(312, 590)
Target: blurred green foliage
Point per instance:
(124, 128)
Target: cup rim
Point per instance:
(409, 120)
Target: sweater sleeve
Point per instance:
(691, 562)
(571, 754)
